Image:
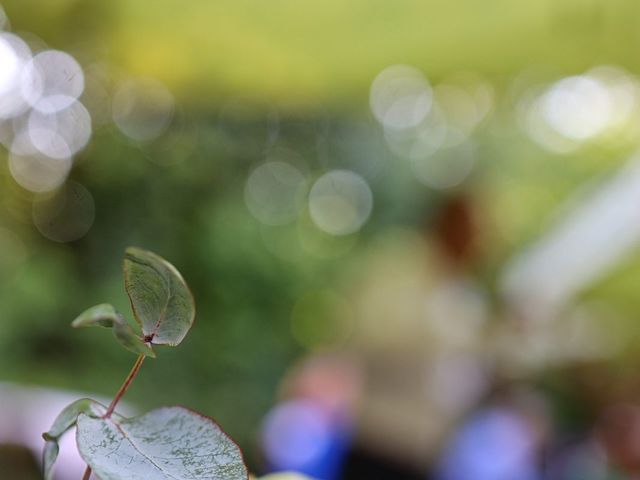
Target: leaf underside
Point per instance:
(170, 443)
(105, 315)
(161, 300)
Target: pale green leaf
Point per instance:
(132, 342)
(170, 443)
(105, 315)
(161, 301)
(63, 422)
(49, 457)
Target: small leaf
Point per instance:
(104, 315)
(132, 342)
(162, 303)
(49, 457)
(167, 443)
(65, 420)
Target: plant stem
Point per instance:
(117, 398)
(125, 386)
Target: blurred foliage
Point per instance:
(234, 66)
(298, 53)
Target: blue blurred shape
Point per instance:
(494, 444)
(304, 437)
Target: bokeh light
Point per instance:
(401, 97)
(60, 133)
(51, 81)
(66, 214)
(497, 444)
(14, 57)
(34, 170)
(296, 434)
(275, 193)
(340, 202)
(446, 168)
(577, 107)
(142, 108)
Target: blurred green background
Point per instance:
(238, 83)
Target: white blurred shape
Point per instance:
(623, 88)
(60, 134)
(400, 97)
(33, 170)
(296, 434)
(422, 140)
(456, 312)
(14, 55)
(55, 76)
(531, 116)
(275, 193)
(340, 202)
(577, 107)
(594, 234)
(446, 168)
(9, 66)
(66, 214)
(457, 382)
(467, 99)
(142, 108)
(27, 412)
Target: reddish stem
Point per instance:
(125, 386)
(117, 398)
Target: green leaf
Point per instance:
(64, 421)
(162, 303)
(168, 443)
(132, 342)
(49, 457)
(104, 315)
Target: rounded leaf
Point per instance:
(162, 303)
(168, 443)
